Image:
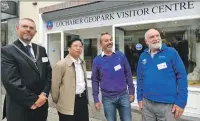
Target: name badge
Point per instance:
(44, 59)
(162, 66)
(117, 67)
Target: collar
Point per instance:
(162, 47)
(25, 43)
(103, 54)
(69, 60)
(74, 60)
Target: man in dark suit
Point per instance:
(26, 76)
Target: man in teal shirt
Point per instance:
(161, 81)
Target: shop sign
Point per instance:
(9, 7)
(178, 6)
(151, 11)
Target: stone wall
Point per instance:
(12, 35)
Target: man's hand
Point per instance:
(177, 111)
(131, 98)
(33, 107)
(98, 106)
(42, 99)
(140, 105)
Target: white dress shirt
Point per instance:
(32, 52)
(80, 82)
(102, 54)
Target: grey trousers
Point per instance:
(155, 111)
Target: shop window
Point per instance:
(90, 52)
(181, 35)
(4, 32)
(3, 38)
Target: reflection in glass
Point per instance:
(4, 32)
(90, 52)
(181, 35)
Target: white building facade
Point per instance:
(126, 22)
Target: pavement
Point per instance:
(96, 115)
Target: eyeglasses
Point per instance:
(26, 27)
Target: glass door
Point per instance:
(90, 51)
(54, 47)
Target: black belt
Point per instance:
(80, 95)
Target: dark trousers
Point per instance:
(15, 112)
(80, 111)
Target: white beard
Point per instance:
(155, 46)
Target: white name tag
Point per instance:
(117, 67)
(162, 66)
(44, 59)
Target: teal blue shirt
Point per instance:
(163, 77)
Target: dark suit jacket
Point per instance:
(23, 78)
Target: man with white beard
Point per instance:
(161, 81)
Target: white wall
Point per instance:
(193, 106)
(54, 48)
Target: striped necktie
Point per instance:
(28, 47)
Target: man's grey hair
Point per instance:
(102, 34)
(145, 35)
(29, 19)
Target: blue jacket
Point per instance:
(162, 78)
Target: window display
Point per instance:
(181, 35)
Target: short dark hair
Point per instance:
(29, 19)
(69, 43)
